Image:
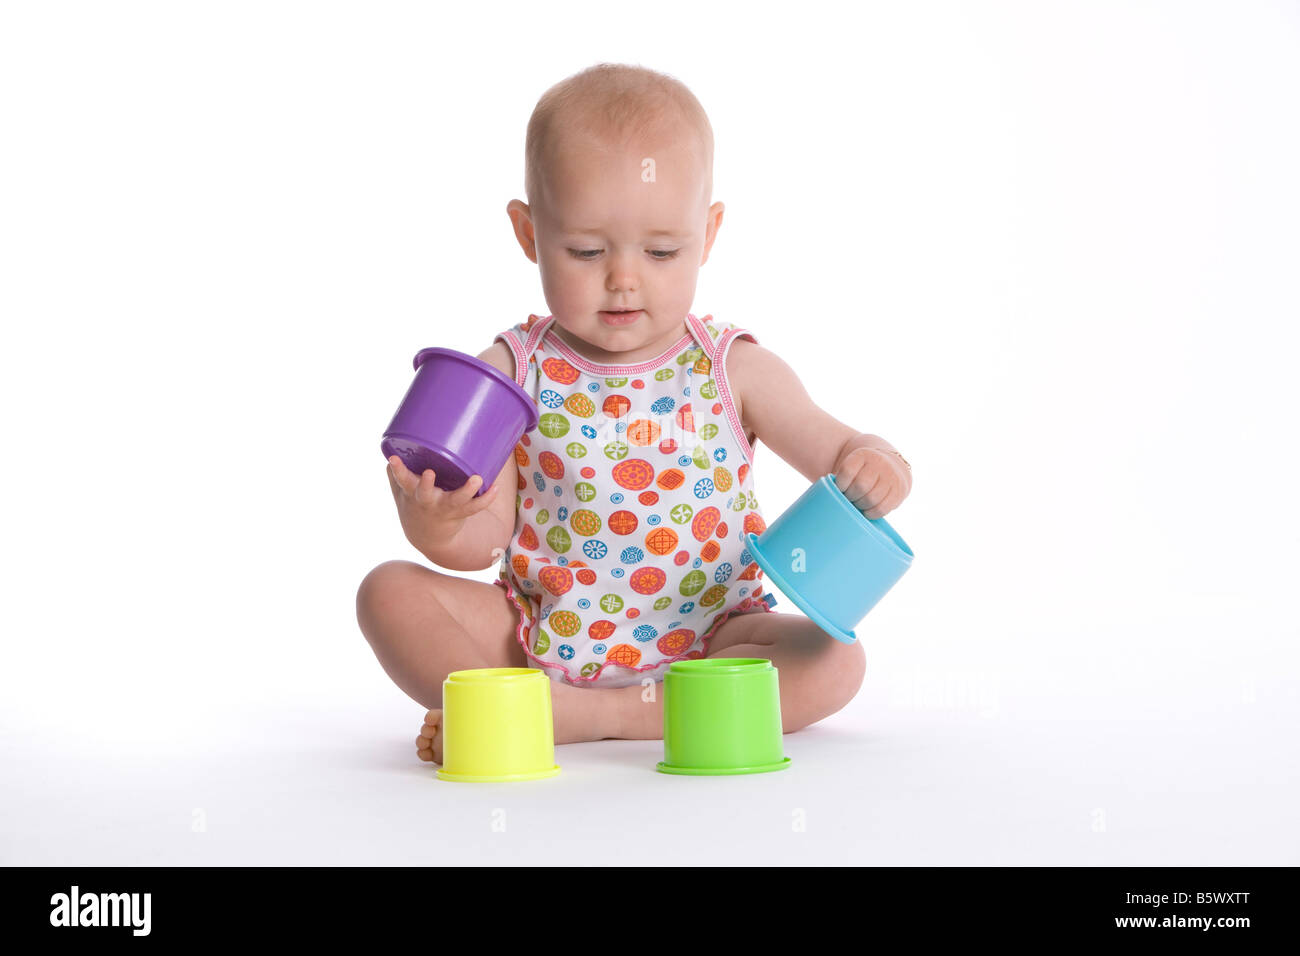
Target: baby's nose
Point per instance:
(622, 275)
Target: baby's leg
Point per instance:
(423, 624)
(818, 675)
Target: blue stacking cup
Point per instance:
(830, 559)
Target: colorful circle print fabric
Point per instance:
(635, 492)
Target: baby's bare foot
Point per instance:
(428, 746)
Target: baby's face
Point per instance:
(621, 229)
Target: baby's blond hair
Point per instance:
(616, 103)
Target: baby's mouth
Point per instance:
(620, 316)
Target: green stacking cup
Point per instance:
(722, 715)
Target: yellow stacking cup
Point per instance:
(497, 725)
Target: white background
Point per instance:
(1048, 250)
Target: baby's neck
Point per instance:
(635, 356)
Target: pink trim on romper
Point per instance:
(717, 352)
(536, 328)
(745, 606)
(520, 636)
(702, 334)
(521, 357)
(617, 370)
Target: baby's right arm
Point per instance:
(453, 529)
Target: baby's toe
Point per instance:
(428, 745)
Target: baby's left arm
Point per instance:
(777, 408)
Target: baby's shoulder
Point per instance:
(500, 356)
(509, 346)
(738, 358)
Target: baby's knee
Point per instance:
(382, 589)
(846, 668)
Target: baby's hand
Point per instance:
(426, 511)
(876, 481)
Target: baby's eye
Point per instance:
(589, 254)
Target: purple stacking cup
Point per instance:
(460, 417)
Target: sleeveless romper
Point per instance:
(635, 491)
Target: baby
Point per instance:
(624, 546)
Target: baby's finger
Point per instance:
(484, 500)
(464, 495)
(398, 476)
(427, 491)
(887, 504)
(844, 481)
(854, 495)
(868, 492)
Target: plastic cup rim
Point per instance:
(664, 767)
(721, 666)
(531, 414)
(484, 675)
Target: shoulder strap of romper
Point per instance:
(523, 339)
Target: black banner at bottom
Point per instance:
(1177, 904)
